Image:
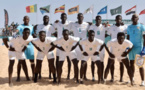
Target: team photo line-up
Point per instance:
(77, 41)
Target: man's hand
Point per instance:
(111, 55)
(85, 53)
(12, 49)
(96, 53)
(124, 54)
(24, 48)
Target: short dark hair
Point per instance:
(42, 32)
(65, 30)
(63, 14)
(98, 16)
(25, 29)
(91, 31)
(120, 34)
(118, 16)
(80, 14)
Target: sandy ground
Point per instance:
(46, 84)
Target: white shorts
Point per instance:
(12, 55)
(102, 55)
(20, 55)
(72, 55)
(119, 59)
(79, 53)
(41, 55)
(93, 58)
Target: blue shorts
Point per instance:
(134, 51)
(29, 52)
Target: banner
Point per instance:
(6, 17)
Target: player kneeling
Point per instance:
(119, 48)
(44, 47)
(89, 48)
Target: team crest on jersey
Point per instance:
(138, 27)
(90, 49)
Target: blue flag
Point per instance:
(103, 10)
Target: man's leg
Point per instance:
(10, 70)
(69, 67)
(52, 69)
(85, 72)
(102, 71)
(40, 76)
(93, 70)
(109, 65)
(76, 69)
(121, 71)
(32, 67)
(98, 63)
(60, 64)
(57, 63)
(132, 67)
(82, 70)
(18, 71)
(141, 70)
(49, 73)
(112, 72)
(24, 66)
(37, 69)
(129, 71)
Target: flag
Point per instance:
(45, 9)
(73, 10)
(89, 10)
(117, 10)
(131, 10)
(6, 17)
(31, 9)
(142, 12)
(61, 9)
(103, 10)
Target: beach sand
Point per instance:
(46, 84)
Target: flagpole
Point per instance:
(50, 13)
(107, 14)
(136, 9)
(92, 13)
(36, 15)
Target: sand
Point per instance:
(46, 84)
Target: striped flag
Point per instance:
(45, 9)
(61, 9)
(73, 10)
(131, 10)
(31, 9)
(142, 12)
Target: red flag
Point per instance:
(142, 12)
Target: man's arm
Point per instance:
(110, 54)
(5, 41)
(37, 47)
(61, 48)
(75, 46)
(51, 49)
(84, 53)
(96, 53)
(126, 52)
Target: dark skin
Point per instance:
(63, 20)
(125, 61)
(21, 62)
(98, 22)
(84, 63)
(42, 37)
(135, 19)
(26, 23)
(74, 61)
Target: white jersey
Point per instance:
(67, 45)
(59, 27)
(80, 30)
(91, 47)
(118, 49)
(47, 28)
(99, 31)
(44, 46)
(114, 30)
(19, 43)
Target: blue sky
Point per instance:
(16, 9)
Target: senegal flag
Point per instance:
(31, 9)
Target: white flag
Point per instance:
(89, 10)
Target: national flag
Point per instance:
(73, 10)
(131, 10)
(117, 10)
(61, 9)
(89, 10)
(103, 10)
(31, 9)
(142, 12)
(45, 9)
(6, 17)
